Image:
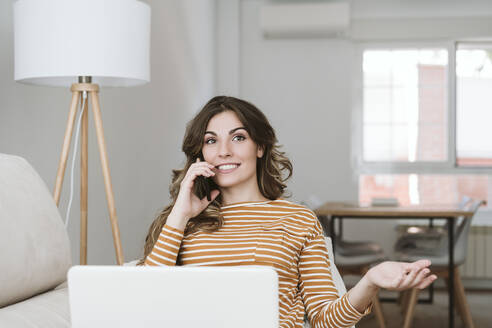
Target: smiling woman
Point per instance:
(246, 221)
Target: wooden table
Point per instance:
(447, 212)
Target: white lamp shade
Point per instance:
(56, 41)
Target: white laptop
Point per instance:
(172, 297)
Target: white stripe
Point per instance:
(169, 231)
(164, 251)
(190, 258)
(166, 244)
(162, 257)
(249, 237)
(216, 250)
(263, 256)
(169, 237)
(219, 262)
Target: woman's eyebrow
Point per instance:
(230, 132)
(234, 130)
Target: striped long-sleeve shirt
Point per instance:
(279, 234)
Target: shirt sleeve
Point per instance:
(325, 308)
(166, 249)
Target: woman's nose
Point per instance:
(224, 149)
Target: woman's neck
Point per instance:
(235, 195)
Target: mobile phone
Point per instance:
(203, 185)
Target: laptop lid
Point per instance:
(184, 297)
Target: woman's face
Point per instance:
(228, 146)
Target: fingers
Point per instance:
(200, 168)
(422, 274)
(421, 263)
(199, 163)
(197, 169)
(406, 279)
(426, 281)
(410, 274)
(414, 273)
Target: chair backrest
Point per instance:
(464, 203)
(462, 231)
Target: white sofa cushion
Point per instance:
(46, 310)
(34, 245)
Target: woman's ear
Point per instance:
(260, 152)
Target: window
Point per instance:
(425, 123)
(474, 104)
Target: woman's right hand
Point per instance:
(187, 204)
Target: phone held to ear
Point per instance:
(203, 185)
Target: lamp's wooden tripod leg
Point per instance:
(107, 178)
(83, 185)
(62, 164)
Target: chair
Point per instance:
(439, 259)
(427, 239)
(356, 258)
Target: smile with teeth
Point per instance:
(225, 168)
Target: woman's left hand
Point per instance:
(399, 276)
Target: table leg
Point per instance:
(340, 229)
(332, 232)
(450, 224)
(431, 287)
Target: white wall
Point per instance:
(143, 126)
(306, 88)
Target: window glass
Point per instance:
(405, 105)
(474, 104)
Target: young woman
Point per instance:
(247, 222)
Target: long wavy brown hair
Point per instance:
(272, 169)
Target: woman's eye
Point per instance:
(239, 138)
(210, 141)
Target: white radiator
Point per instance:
(478, 263)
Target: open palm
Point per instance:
(399, 276)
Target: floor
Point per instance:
(436, 315)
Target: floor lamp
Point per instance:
(83, 44)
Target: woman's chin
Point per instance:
(225, 184)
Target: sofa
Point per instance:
(34, 250)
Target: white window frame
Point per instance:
(447, 167)
(421, 167)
